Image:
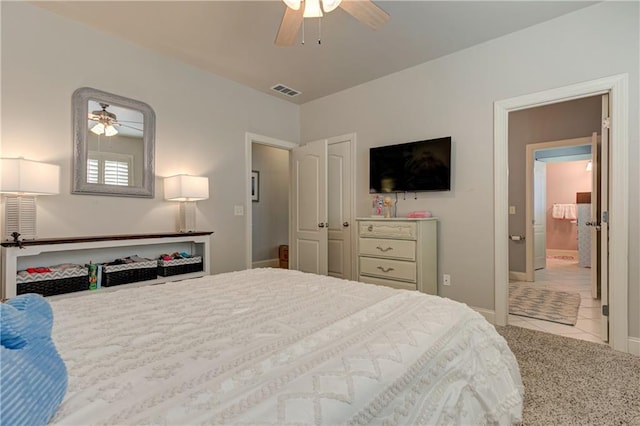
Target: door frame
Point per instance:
(617, 87)
(250, 139)
(531, 149)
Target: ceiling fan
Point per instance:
(364, 11)
(107, 122)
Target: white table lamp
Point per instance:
(186, 189)
(21, 181)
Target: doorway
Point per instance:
(335, 213)
(269, 205)
(252, 193)
(559, 187)
(617, 255)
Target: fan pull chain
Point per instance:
(303, 31)
(319, 31)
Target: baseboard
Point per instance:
(490, 316)
(517, 276)
(634, 346)
(486, 313)
(568, 253)
(269, 263)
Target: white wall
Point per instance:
(270, 215)
(201, 124)
(454, 96)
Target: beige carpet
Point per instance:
(573, 382)
(534, 301)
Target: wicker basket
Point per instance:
(53, 283)
(126, 273)
(180, 266)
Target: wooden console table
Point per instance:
(100, 249)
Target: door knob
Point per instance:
(321, 225)
(346, 224)
(595, 224)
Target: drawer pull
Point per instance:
(385, 270)
(370, 228)
(384, 250)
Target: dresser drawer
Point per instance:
(387, 229)
(393, 249)
(403, 285)
(391, 269)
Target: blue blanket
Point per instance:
(33, 377)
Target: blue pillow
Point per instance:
(33, 377)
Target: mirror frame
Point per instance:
(80, 105)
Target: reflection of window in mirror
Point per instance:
(117, 148)
(109, 168)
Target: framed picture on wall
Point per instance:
(255, 186)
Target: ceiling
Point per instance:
(234, 39)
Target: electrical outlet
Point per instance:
(238, 210)
(446, 279)
(512, 209)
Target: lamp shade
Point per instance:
(186, 188)
(26, 177)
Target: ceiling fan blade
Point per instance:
(289, 27)
(366, 12)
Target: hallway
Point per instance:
(565, 274)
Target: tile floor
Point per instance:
(566, 275)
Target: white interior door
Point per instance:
(309, 200)
(595, 208)
(539, 215)
(602, 217)
(339, 206)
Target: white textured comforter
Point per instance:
(269, 346)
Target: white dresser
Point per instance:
(398, 252)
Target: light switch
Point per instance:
(238, 210)
(512, 209)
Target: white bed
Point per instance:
(269, 346)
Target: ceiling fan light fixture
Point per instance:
(293, 4)
(330, 5)
(312, 9)
(110, 130)
(98, 129)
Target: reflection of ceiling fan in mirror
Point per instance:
(107, 123)
(364, 11)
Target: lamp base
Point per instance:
(187, 216)
(20, 217)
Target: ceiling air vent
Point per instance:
(281, 88)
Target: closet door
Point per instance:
(309, 201)
(340, 178)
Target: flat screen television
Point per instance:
(411, 167)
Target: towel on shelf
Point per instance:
(564, 211)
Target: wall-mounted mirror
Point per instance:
(114, 144)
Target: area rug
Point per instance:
(561, 257)
(533, 301)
